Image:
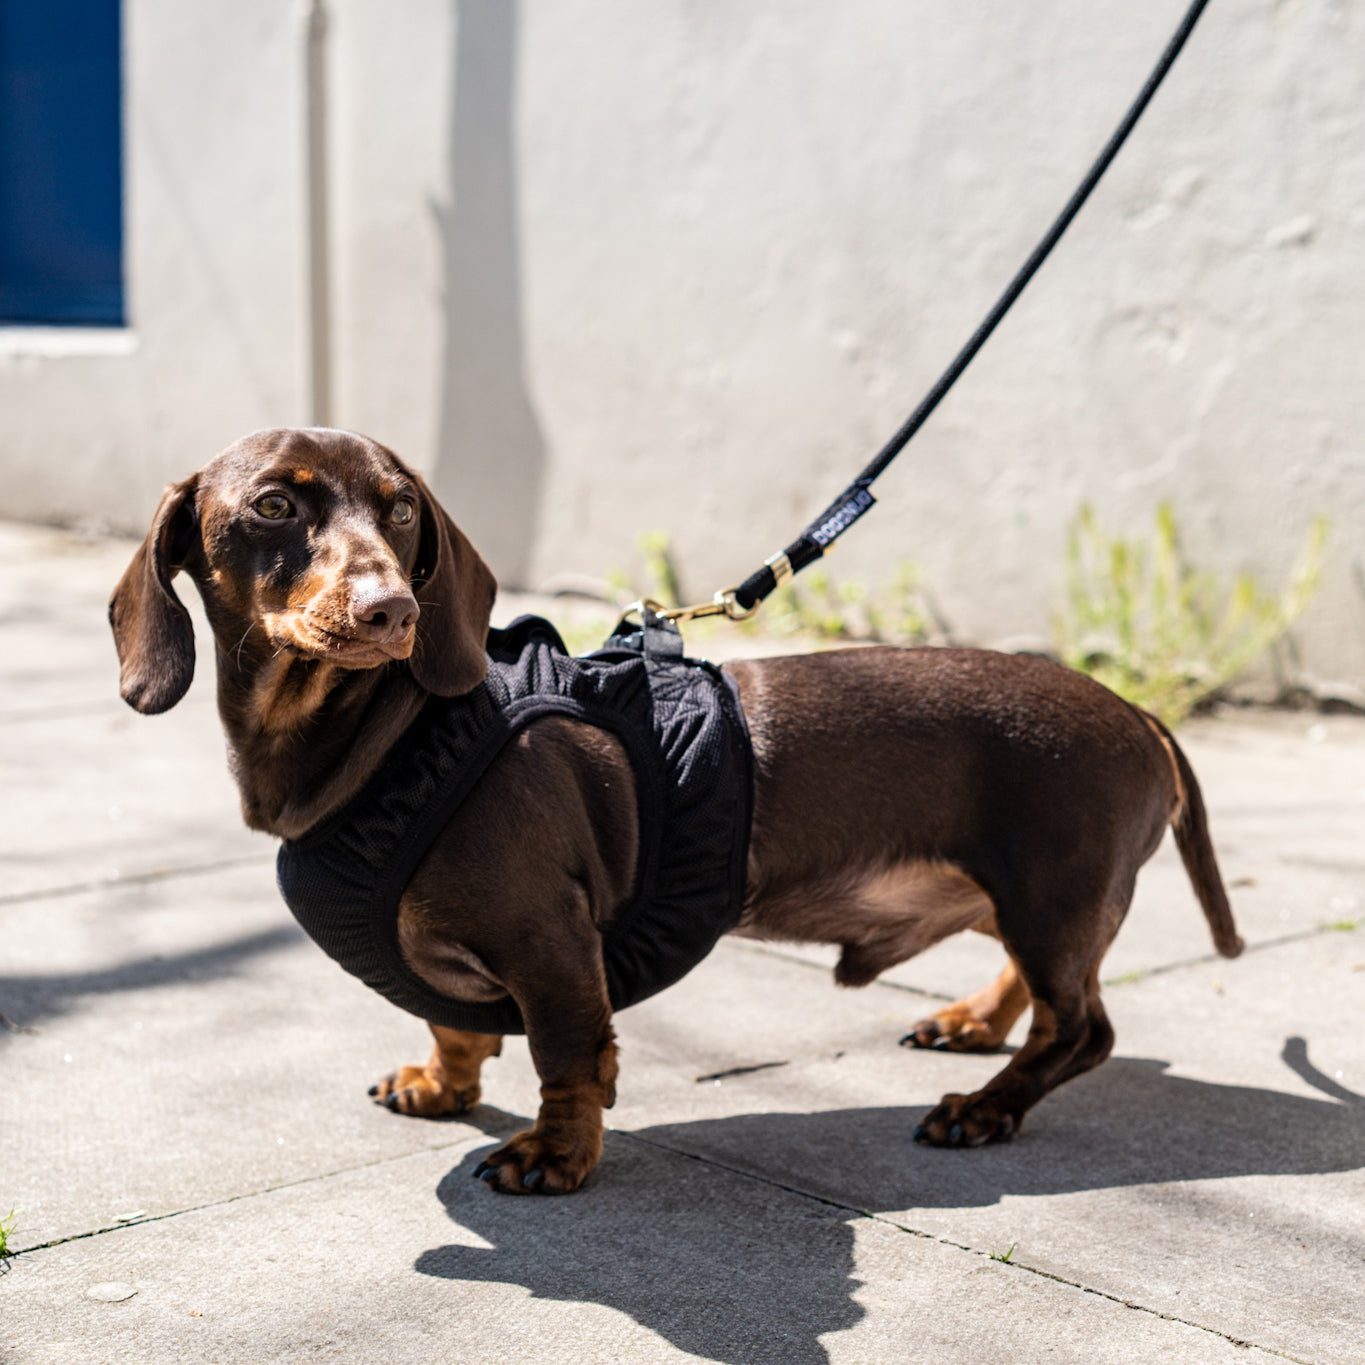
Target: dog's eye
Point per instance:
(274, 506)
(402, 511)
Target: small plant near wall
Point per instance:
(660, 568)
(1164, 635)
(900, 612)
(815, 606)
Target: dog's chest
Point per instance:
(680, 723)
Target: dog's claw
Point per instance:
(373, 1090)
(956, 1135)
(533, 1179)
(483, 1170)
(921, 1133)
(941, 1042)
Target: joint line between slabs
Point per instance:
(1129, 979)
(160, 874)
(228, 1199)
(766, 950)
(957, 1246)
(1211, 959)
(74, 710)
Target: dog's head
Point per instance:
(314, 543)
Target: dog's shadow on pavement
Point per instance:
(742, 1270)
(1128, 1123)
(709, 1261)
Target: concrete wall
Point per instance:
(684, 264)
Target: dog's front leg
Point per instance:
(574, 1051)
(448, 1083)
(560, 1152)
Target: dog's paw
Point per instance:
(955, 1028)
(967, 1121)
(418, 1091)
(533, 1164)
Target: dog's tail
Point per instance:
(1191, 825)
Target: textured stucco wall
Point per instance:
(812, 207)
(684, 264)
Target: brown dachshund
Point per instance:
(899, 795)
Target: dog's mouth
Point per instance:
(311, 639)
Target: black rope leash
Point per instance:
(857, 498)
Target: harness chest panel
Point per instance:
(681, 725)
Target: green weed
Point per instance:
(7, 1225)
(661, 570)
(901, 612)
(583, 636)
(1127, 979)
(1160, 633)
(659, 582)
(814, 606)
(1005, 1257)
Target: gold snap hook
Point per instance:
(727, 602)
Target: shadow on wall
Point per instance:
(490, 455)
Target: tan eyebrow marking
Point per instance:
(303, 476)
(387, 489)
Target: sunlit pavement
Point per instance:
(198, 1175)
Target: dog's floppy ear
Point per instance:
(152, 629)
(455, 590)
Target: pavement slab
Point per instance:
(126, 815)
(185, 1134)
(202, 1048)
(662, 1258)
(54, 587)
(1221, 1149)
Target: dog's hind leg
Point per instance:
(448, 1083)
(1070, 1032)
(977, 1023)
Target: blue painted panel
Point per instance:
(61, 163)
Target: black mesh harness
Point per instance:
(681, 724)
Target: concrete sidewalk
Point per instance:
(198, 1175)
